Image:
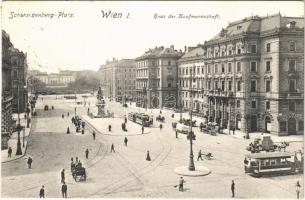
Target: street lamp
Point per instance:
(191, 166)
(19, 151)
(180, 99)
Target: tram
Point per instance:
(140, 118)
(258, 164)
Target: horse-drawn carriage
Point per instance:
(160, 118)
(78, 172)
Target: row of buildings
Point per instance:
(14, 86)
(249, 76)
(61, 79)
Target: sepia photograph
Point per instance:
(152, 99)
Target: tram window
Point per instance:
(267, 162)
(253, 163)
(262, 163)
(272, 162)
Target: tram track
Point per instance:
(134, 173)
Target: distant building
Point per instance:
(156, 78)
(63, 78)
(118, 78)
(254, 75)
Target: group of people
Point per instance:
(78, 123)
(77, 164)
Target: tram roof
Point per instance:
(269, 155)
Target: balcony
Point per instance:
(291, 95)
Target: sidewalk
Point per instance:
(275, 138)
(13, 141)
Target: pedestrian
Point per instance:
(9, 152)
(109, 128)
(161, 127)
(87, 153)
(112, 148)
(63, 116)
(76, 160)
(125, 120)
(41, 192)
(68, 114)
(68, 130)
(93, 134)
(64, 189)
(199, 155)
(234, 131)
(160, 111)
(181, 182)
(298, 189)
(142, 129)
(30, 160)
(173, 115)
(233, 188)
(125, 141)
(83, 131)
(148, 156)
(88, 110)
(176, 134)
(62, 174)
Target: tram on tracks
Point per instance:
(268, 163)
(141, 118)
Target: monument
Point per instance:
(101, 106)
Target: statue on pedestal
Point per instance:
(100, 103)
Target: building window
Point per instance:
(238, 103)
(292, 84)
(216, 85)
(268, 85)
(291, 65)
(222, 68)
(186, 71)
(222, 85)
(292, 46)
(253, 104)
(291, 106)
(238, 67)
(253, 48)
(202, 70)
(301, 125)
(253, 85)
(169, 85)
(267, 105)
(230, 85)
(169, 63)
(209, 69)
(268, 47)
(238, 85)
(230, 52)
(198, 71)
(216, 68)
(283, 126)
(229, 67)
(209, 85)
(238, 51)
(253, 66)
(268, 67)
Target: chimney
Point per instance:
(185, 49)
(172, 47)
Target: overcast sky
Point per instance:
(87, 40)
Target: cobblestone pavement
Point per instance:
(126, 173)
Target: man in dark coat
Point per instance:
(64, 189)
(63, 176)
(199, 155)
(142, 129)
(233, 188)
(109, 128)
(181, 182)
(41, 192)
(125, 141)
(87, 153)
(68, 130)
(30, 160)
(9, 152)
(93, 134)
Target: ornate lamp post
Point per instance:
(19, 128)
(191, 166)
